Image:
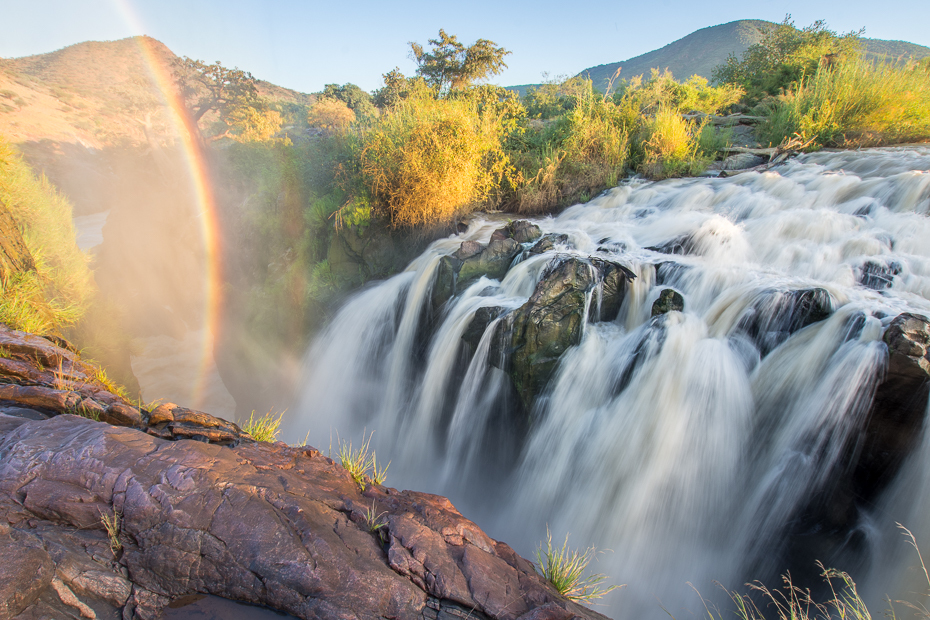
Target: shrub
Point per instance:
(330, 113)
(671, 148)
(428, 160)
(58, 292)
(855, 103)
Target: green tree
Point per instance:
(784, 56)
(212, 87)
(397, 87)
(449, 65)
(354, 97)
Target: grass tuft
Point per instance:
(375, 522)
(564, 569)
(113, 524)
(362, 463)
(264, 428)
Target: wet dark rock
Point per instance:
(683, 244)
(265, 524)
(520, 231)
(447, 273)
(771, 320)
(614, 278)
(670, 272)
(479, 324)
(548, 242)
(669, 300)
(878, 275)
(896, 419)
(493, 262)
(547, 324)
(468, 249)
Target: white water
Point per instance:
(680, 445)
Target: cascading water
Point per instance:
(728, 440)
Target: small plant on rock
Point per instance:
(112, 525)
(362, 464)
(563, 568)
(264, 428)
(375, 522)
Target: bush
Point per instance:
(671, 146)
(855, 103)
(428, 160)
(57, 293)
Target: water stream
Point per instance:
(689, 447)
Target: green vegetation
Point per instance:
(263, 428)
(362, 464)
(564, 569)
(112, 525)
(450, 65)
(852, 104)
(57, 292)
(817, 88)
(375, 522)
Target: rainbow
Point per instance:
(201, 188)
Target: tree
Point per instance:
(449, 65)
(213, 87)
(354, 97)
(784, 56)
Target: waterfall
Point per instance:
(730, 438)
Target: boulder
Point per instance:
(261, 523)
(669, 300)
(896, 419)
(548, 243)
(613, 279)
(493, 262)
(878, 275)
(778, 314)
(548, 323)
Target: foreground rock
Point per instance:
(267, 524)
(224, 515)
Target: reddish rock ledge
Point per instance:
(221, 514)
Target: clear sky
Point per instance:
(305, 44)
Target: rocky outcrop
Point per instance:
(262, 523)
(37, 373)
(669, 300)
(548, 324)
(474, 260)
(896, 419)
(778, 314)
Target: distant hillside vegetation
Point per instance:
(93, 93)
(702, 50)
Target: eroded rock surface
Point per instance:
(263, 523)
(224, 515)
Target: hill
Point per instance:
(702, 50)
(93, 93)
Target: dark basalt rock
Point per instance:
(669, 300)
(878, 275)
(679, 245)
(547, 243)
(896, 419)
(520, 231)
(493, 262)
(614, 278)
(479, 324)
(770, 322)
(547, 324)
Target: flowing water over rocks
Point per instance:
(715, 379)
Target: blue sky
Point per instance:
(306, 44)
